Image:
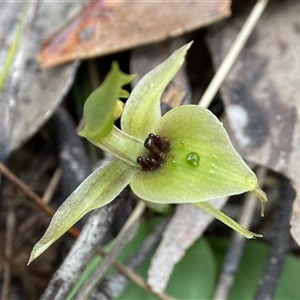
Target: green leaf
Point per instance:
(142, 109)
(251, 268)
(192, 278)
(200, 165)
(100, 106)
(100, 188)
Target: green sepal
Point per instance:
(99, 189)
(98, 112)
(194, 132)
(142, 109)
(226, 220)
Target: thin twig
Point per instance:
(233, 53)
(52, 186)
(91, 235)
(137, 279)
(236, 244)
(10, 228)
(125, 235)
(280, 243)
(31, 195)
(25, 189)
(113, 285)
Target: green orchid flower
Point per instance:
(184, 156)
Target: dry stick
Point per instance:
(233, 53)
(52, 186)
(82, 250)
(10, 228)
(236, 245)
(234, 251)
(25, 189)
(32, 195)
(137, 279)
(281, 242)
(113, 285)
(121, 240)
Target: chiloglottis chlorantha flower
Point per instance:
(184, 156)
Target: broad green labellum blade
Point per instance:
(201, 163)
(100, 188)
(100, 106)
(142, 109)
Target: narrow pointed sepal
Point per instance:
(142, 109)
(99, 189)
(226, 220)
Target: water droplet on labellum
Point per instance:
(193, 159)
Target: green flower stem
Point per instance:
(261, 195)
(226, 220)
(121, 145)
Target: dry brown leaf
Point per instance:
(38, 92)
(108, 26)
(186, 226)
(262, 91)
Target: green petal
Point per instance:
(201, 164)
(226, 220)
(142, 109)
(100, 188)
(100, 106)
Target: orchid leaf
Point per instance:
(100, 188)
(100, 106)
(201, 163)
(142, 109)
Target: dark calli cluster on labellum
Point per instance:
(158, 147)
